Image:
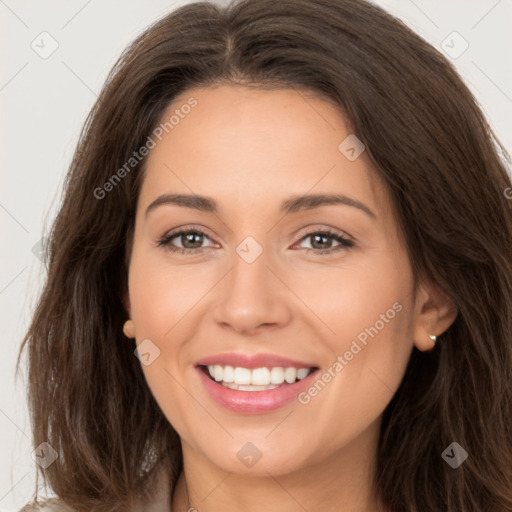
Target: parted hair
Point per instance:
(448, 177)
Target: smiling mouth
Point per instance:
(257, 379)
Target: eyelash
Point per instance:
(345, 243)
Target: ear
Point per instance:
(434, 313)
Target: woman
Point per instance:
(367, 370)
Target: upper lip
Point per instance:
(253, 361)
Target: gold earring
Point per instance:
(128, 329)
(433, 338)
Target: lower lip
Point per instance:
(253, 402)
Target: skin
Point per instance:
(250, 150)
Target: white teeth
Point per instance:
(229, 374)
(277, 375)
(242, 375)
(259, 377)
(218, 372)
(302, 372)
(290, 375)
(241, 387)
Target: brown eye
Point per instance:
(321, 239)
(190, 239)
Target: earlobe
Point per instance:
(129, 329)
(436, 312)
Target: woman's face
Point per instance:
(252, 293)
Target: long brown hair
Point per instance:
(447, 175)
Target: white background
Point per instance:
(44, 102)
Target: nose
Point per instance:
(252, 295)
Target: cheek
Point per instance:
(356, 299)
(165, 300)
(162, 293)
(366, 325)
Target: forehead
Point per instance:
(248, 146)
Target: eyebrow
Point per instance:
(291, 205)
